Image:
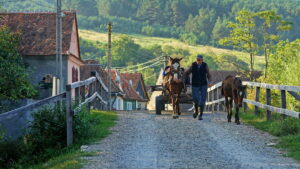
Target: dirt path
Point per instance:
(144, 140)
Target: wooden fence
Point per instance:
(77, 94)
(85, 92)
(215, 100)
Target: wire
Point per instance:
(148, 77)
(150, 66)
(155, 59)
(133, 69)
(137, 65)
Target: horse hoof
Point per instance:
(237, 123)
(229, 121)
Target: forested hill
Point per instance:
(192, 21)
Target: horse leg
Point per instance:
(178, 107)
(227, 109)
(174, 106)
(236, 105)
(237, 117)
(178, 102)
(230, 109)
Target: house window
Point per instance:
(129, 106)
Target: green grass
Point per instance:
(145, 41)
(287, 130)
(70, 158)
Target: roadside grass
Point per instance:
(71, 157)
(145, 41)
(287, 130)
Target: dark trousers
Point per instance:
(199, 96)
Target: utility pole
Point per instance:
(109, 65)
(59, 45)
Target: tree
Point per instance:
(202, 24)
(272, 23)
(219, 31)
(150, 11)
(284, 68)
(14, 81)
(242, 36)
(232, 62)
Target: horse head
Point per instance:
(241, 90)
(174, 64)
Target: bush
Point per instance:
(46, 136)
(189, 38)
(83, 126)
(47, 131)
(148, 30)
(288, 126)
(11, 152)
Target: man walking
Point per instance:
(200, 81)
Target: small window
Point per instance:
(129, 106)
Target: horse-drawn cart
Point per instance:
(164, 98)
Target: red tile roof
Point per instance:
(38, 31)
(135, 79)
(91, 65)
(123, 84)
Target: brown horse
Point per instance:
(174, 84)
(232, 87)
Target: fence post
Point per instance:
(77, 96)
(218, 97)
(268, 97)
(207, 99)
(212, 99)
(283, 101)
(83, 93)
(69, 115)
(245, 104)
(257, 99)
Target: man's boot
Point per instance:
(201, 112)
(196, 111)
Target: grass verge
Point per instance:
(70, 158)
(287, 130)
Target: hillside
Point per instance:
(145, 41)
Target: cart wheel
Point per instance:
(159, 105)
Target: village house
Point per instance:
(38, 44)
(132, 99)
(136, 81)
(93, 65)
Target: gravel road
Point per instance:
(145, 140)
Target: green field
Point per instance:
(148, 41)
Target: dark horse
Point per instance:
(232, 87)
(174, 84)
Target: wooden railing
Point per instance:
(85, 92)
(215, 100)
(77, 94)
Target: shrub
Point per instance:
(46, 136)
(148, 30)
(11, 152)
(288, 126)
(47, 130)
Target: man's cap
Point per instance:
(199, 56)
